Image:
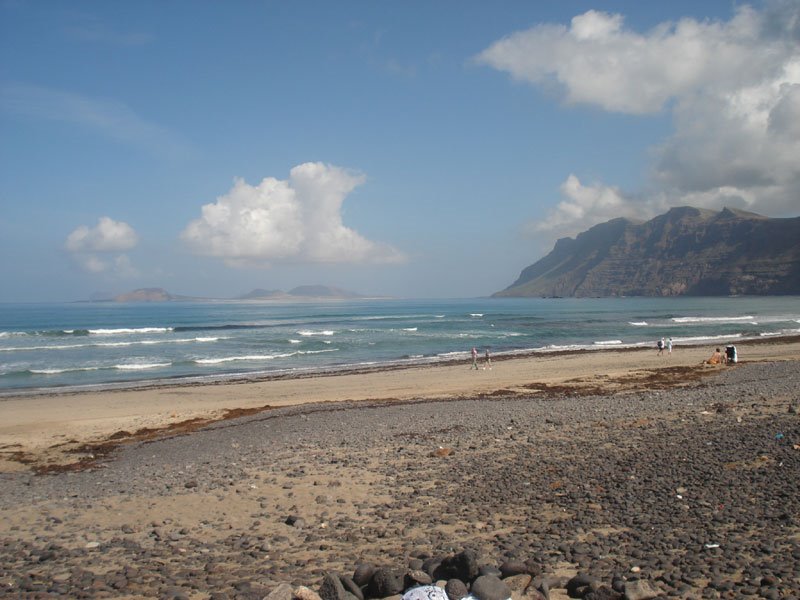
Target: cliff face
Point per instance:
(686, 251)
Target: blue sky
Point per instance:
(413, 149)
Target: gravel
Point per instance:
(692, 490)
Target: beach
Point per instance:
(608, 463)
(51, 429)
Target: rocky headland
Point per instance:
(684, 252)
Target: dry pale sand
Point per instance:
(36, 431)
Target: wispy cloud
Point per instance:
(109, 118)
(93, 30)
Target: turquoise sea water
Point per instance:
(108, 345)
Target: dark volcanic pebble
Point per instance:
(385, 582)
(363, 573)
(331, 588)
(456, 589)
(489, 587)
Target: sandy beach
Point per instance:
(57, 429)
(621, 467)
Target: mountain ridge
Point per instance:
(685, 251)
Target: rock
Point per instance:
(295, 521)
(640, 589)
(463, 566)
(431, 565)
(531, 593)
(580, 585)
(456, 589)
(441, 452)
(489, 587)
(417, 577)
(385, 582)
(534, 567)
(190, 484)
(363, 573)
(331, 588)
(351, 587)
(518, 583)
(618, 584)
(490, 570)
(603, 593)
(513, 567)
(282, 592)
(304, 593)
(415, 564)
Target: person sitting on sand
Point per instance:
(716, 359)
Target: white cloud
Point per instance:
(583, 206)
(596, 60)
(294, 220)
(99, 249)
(107, 236)
(743, 143)
(732, 88)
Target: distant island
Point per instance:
(684, 252)
(303, 292)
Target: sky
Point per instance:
(403, 148)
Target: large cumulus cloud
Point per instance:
(732, 88)
(297, 220)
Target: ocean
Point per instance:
(51, 347)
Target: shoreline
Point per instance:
(361, 368)
(81, 427)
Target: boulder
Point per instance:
(385, 582)
(489, 587)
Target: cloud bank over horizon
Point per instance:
(732, 89)
(292, 221)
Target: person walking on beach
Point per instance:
(474, 359)
(488, 363)
(669, 346)
(660, 346)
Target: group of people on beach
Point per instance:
(664, 345)
(717, 358)
(487, 364)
